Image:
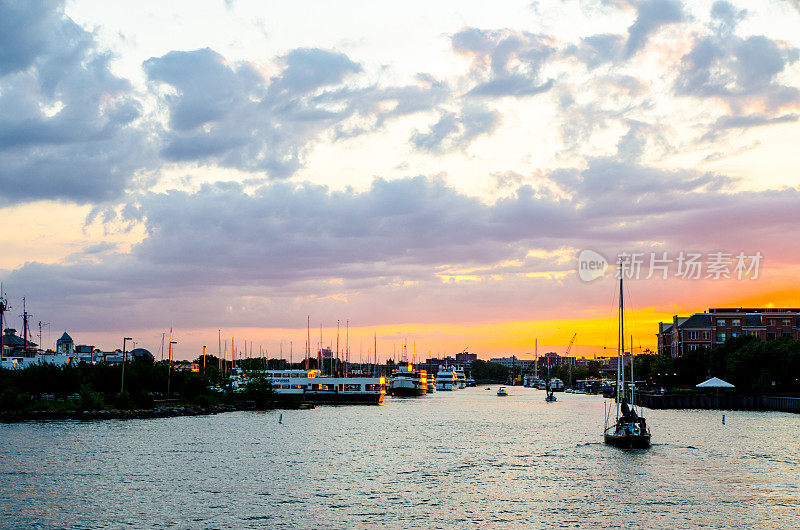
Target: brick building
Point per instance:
(705, 330)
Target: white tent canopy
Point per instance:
(715, 382)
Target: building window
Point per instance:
(735, 334)
(721, 336)
(693, 347)
(770, 335)
(735, 322)
(720, 321)
(787, 322)
(705, 335)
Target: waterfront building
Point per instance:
(85, 353)
(19, 353)
(13, 344)
(555, 360)
(515, 362)
(65, 345)
(466, 357)
(706, 330)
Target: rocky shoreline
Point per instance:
(90, 415)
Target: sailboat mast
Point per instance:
(633, 381)
(308, 339)
(620, 363)
(336, 368)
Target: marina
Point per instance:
(359, 467)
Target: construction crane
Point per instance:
(571, 342)
(566, 354)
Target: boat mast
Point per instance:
(536, 355)
(24, 326)
(620, 345)
(3, 308)
(336, 367)
(308, 339)
(633, 381)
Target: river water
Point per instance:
(453, 459)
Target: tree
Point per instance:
(486, 372)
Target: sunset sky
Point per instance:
(427, 171)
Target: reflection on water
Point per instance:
(451, 459)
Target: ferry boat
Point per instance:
(310, 386)
(405, 381)
(431, 384)
(446, 378)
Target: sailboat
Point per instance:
(549, 391)
(630, 429)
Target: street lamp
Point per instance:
(124, 358)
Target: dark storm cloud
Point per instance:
(505, 62)
(66, 122)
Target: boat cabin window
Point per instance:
(352, 387)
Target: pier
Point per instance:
(721, 402)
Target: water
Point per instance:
(454, 459)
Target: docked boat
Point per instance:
(446, 378)
(461, 378)
(431, 384)
(629, 430)
(310, 386)
(405, 381)
(502, 391)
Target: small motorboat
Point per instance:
(502, 391)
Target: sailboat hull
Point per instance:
(627, 441)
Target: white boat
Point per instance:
(446, 378)
(502, 391)
(461, 378)
(405, 381)
(311, 386)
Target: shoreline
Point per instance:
(114, 414)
